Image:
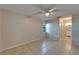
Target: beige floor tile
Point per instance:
(44, 47)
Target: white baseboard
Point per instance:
(18, 45)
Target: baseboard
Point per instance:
(18, 45)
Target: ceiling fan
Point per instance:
(45, 11)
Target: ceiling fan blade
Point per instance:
(37, 13)
(45, 10)
(52, 9)
(53, 13)
(58, 10)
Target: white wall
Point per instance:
(0, 29)
(75, 29)
(17, 29)
(53, 29)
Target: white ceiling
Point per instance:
(29, 9)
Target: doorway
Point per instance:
(65, 24)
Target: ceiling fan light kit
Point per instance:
(45, 11)
(47, 14)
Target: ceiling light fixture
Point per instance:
(47, 14)
(67, 24)
(68, 18)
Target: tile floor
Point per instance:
(44, 47)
